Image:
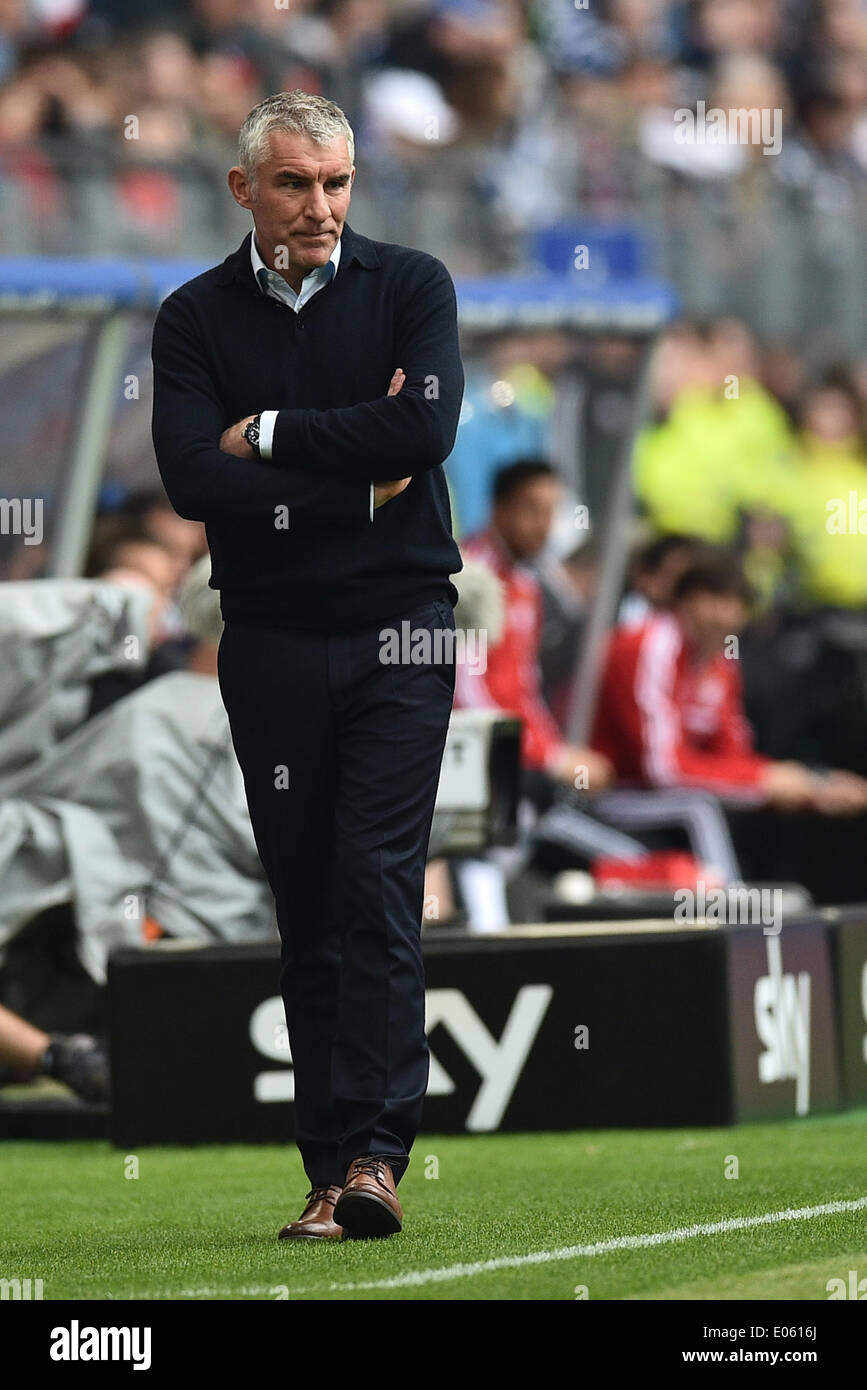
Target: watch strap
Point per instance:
(251, 434)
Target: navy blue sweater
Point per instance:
(291, 540)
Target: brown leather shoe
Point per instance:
(316, 1221)
(368, 1204)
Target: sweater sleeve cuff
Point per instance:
(267, 421)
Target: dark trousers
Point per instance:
(341, 754)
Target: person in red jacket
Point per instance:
(525, 498)
(524, 502)
(670, 711)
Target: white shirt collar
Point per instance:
(259, 264)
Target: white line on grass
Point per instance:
(417, 1277)
(414, 1278)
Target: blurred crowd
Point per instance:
(758, 446)
(533, 110)
(735, 675)
(753, 449)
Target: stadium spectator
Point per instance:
(828, 503)
(138, 560)
(568, 590)
(144, 546)
(14, 22)
(653, 573)
(670, 713)
(525, 499)
(505, 416)
(524, 503)
(723, 447)
(183, 541)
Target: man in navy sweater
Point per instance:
(306, 394)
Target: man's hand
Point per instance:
(583, 769)
(792, 787)
(397, 380)
(840, 793)
(788, 786)
(232, 440)
(383, 492)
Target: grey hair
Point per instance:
(304, 113)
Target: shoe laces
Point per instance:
(373, 1166)
(316, 1194)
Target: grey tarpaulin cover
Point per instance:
(56, 637)
(140, 811)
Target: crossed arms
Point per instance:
(323, 461)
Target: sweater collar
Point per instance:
(353, 247)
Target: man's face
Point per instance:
(524, 520)
(831, 415)
(299, 201)
(657, 585)
(149, 560)
(708, 619)
(182, 540)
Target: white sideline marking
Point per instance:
(603, 1247)
(416, 1278)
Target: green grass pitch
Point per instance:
(202, 1223)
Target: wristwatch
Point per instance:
(251, 434)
